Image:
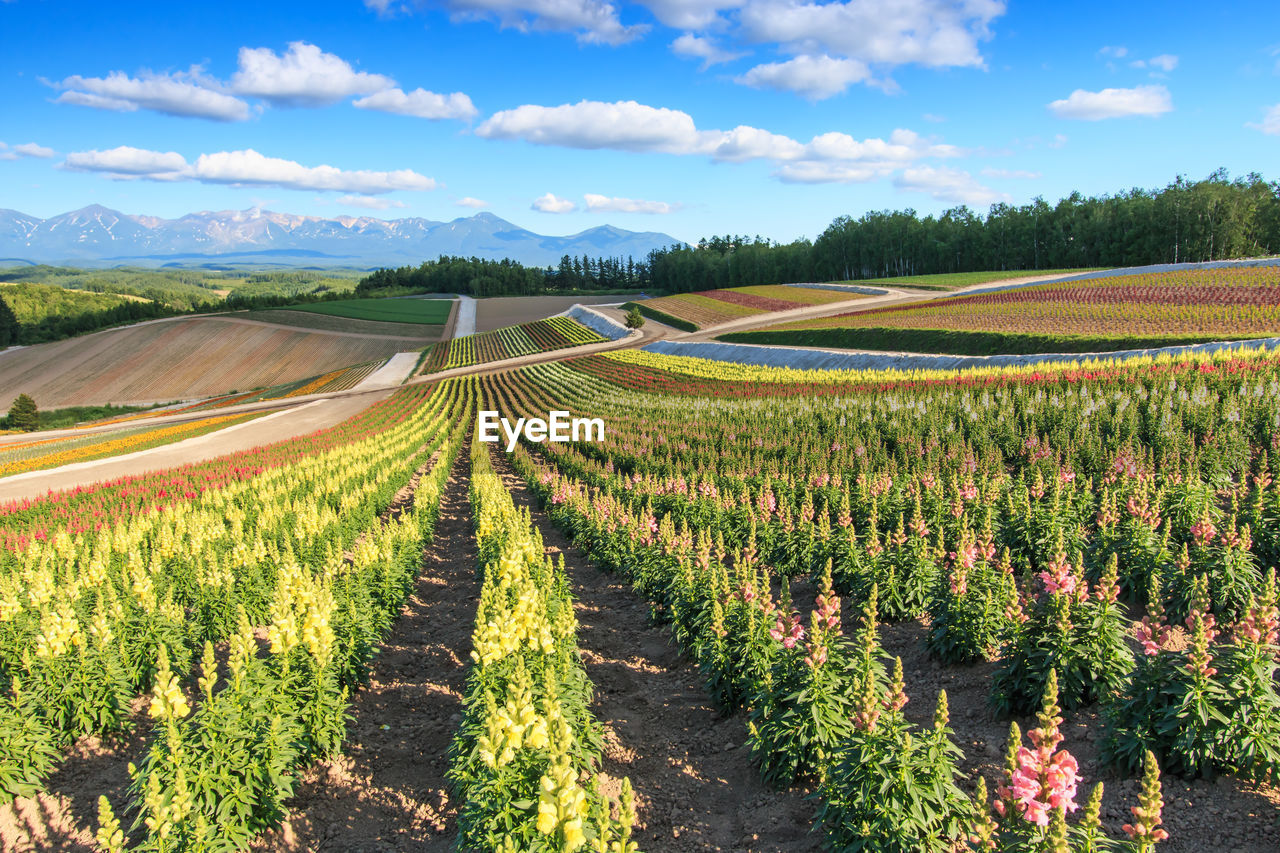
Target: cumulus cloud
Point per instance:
(1165, 62)
(605, 204)
(473, 203)
(25, 149)
(1113, 103)
(1114, 51)
(419, 103)
(304, 75)
(821, 172)
(594, 21)
(1010, 174)
(623, 125)
(242, 168)
(1270, 123)
(187, 94)
(630, 126)
(946, 184)
(814, 77)
(691, 46)
(128, 162)
(690, 14)
(370, 202)
(552, 203)
(934, 33)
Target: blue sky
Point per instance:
(692, 117)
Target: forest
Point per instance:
(1187, 221)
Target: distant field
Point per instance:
(420, 311)
(334, 323)
(1113, 313)
(497, 312)
(693, 311)
(181, 359)
(540, 336)
(954, 280)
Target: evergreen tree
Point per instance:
(23, 414)
(635, 319)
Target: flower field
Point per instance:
(52, 452)
(1018, 609)
(1092, 536)
(712, 307)
(1119, 312)
(546, 335)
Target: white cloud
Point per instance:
(31, 149)
(933, 118)
(749, 143)
(370, 202)
(242, 168)
(691, 46)
(690, 14)
(302, 76)
(419, 103)
(1165, 62)
(934, 33)
(25, 149)
(1114, 51)
(552, 203)
(594, 21)
(1010, 174)
(947, 185)
(1270, 123)
(187, 94)
(1113, 103)
(820, 172)
(128, 162)
(814, 77)
(623, 125)
(473, 203)
(604, 204)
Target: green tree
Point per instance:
(23, 414)
(635, 319)
(9, 326)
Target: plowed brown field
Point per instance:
(181, 359)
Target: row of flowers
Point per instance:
(524, 761)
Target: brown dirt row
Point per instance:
(499, 311)
(387, 791)
(696, 787)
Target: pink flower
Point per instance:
(1150, 636)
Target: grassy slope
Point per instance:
(951, 281)
(414, 311)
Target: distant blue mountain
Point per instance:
(99, 236)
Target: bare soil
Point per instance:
(387, 791)
(498, 311)
(696, 788)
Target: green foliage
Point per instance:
(892, 788)
(414, 311)
(23, 414)
(635, 319)
(30, 745)
(661, 317)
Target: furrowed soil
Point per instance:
(499, 311)
(696, 788)
(387, 791)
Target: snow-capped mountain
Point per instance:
(97, 235)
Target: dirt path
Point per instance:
(696, 787)
(387, 792)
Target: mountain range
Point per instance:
(99, 236)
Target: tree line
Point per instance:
(1187, 221)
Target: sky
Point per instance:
(689, 117)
